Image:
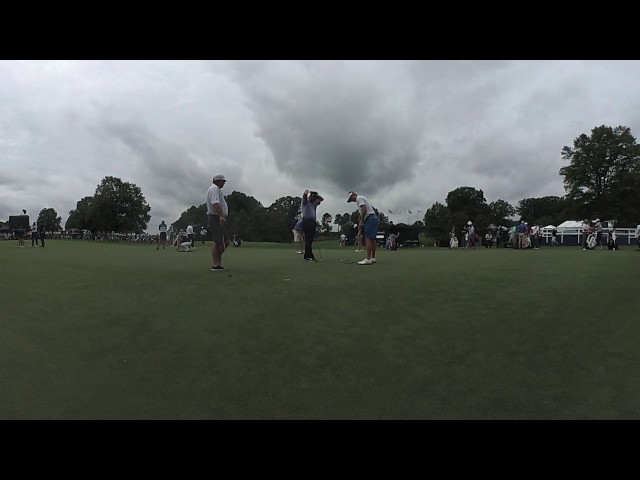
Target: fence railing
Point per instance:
(624, 236)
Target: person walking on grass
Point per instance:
(368, 224)
(310, 202)
(217, 212)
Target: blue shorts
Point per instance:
(370, 227)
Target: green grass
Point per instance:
(120, 331)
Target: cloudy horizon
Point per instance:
(403, 133)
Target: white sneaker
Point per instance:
(373, 260)
(366, 261)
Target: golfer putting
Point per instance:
(369, 225)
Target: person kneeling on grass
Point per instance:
(184, 243)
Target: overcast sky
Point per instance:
(402, 133)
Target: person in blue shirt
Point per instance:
(163, 235)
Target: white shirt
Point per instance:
(189, 230)
(638, 230)
(361, 200)
(214, 195)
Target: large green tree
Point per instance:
(119, 207)
(193, 216)
(437, 221)
(49, 220)
(551, 210)
(81, 216)
(501, 212)
(600, 166)
(470, 202)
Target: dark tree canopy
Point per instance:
(80, 218)
(49, 220)
(600, 165)
(119, 207)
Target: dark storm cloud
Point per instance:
(335, 122)
(404, 133)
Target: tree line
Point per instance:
(602, 179)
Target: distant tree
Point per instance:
(194, 216)
(471, 202)
(437, 222)
(501, 212)
(287, 206)
(626, 212)
(600, 166)
(382, 218)
(119, 207)
(344, 222)
(326, 223)
(49, 220)
(245, 216)
(81, 217)
(547, 210)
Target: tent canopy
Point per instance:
(570, 224)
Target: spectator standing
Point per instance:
(19, 233)
(521, 229)
(217, 212)
(34, 234)
(203, 234)
(41, 234)
(162, 229)
(554, 234)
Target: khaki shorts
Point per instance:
(297, 236)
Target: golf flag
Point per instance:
(389, 211)
(409, 211)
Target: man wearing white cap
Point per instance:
(217, 212)
(368, 223)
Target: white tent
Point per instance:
(571, 224)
